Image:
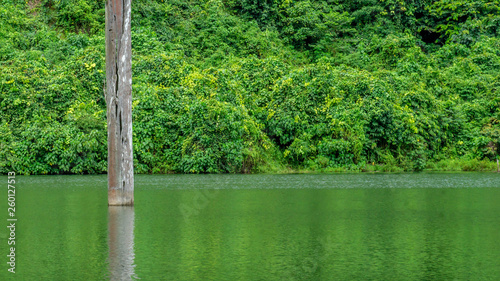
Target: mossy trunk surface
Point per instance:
(119, 102)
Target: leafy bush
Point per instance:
(239, 86)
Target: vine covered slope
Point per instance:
(231, 86)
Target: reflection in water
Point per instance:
(260, 227)
(121, 243)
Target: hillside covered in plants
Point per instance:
(231, 86)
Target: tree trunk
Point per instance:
(119, 102)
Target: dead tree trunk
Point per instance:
(119, 102)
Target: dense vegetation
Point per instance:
(256, 85)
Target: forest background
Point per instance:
(240, 86)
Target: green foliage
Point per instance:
(73, 16)
(240, 86)
(464, 21)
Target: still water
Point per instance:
(258, 227)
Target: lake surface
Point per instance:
(442, 226)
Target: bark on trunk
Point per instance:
(119, 102)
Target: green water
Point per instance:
(258, 227)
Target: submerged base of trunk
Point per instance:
(118, 197)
